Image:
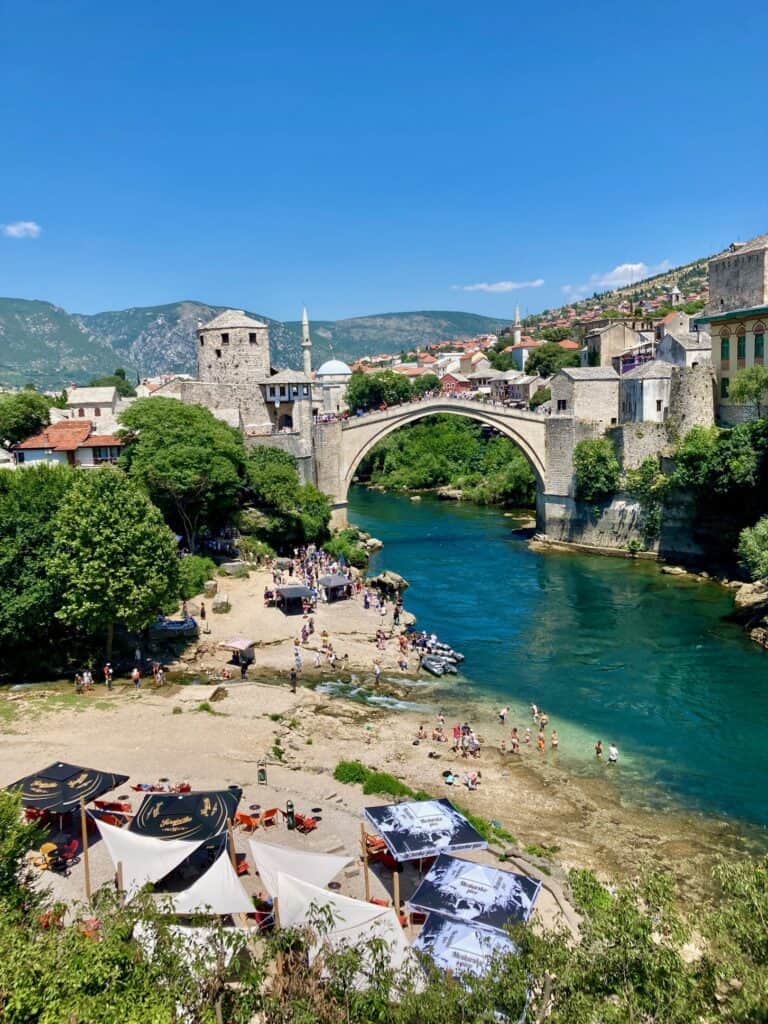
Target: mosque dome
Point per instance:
(334, 368)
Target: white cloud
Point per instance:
(498, 286)
(22, 229)
(619, 277)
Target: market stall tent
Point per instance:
(423, 828)
(459, 947)
(61, 787)
(475, 893)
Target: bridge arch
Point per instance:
(361, 433)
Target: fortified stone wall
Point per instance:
(245, 397)
(636, 442)
(568, 521)
(691, 400)
(300, 448)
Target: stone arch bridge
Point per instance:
(340, 447)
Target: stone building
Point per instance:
(644, 393)
(589, 393)
(605, 343)
(737, 317)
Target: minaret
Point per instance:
(517, 336)
(306, 344)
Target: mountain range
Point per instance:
(45, 345)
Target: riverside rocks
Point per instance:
(388, 581)
(750, 597)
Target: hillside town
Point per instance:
(627, 353)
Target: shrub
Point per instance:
(386, 785)
(753, 549)
(542, 395)
(597, 470)
(350, 772)
(194, 570)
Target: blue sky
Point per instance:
(367, 158)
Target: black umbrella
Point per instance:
(61, 787)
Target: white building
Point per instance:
(69, 443)
(645, 392)
(332, 379)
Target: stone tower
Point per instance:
(306, 344)
(233, 349)
(517, 335)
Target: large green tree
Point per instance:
(289, 512)
(22, 415)
(113, 560)
(29, 598)
(190, 463)
(366, 391)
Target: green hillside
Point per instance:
(41, 343)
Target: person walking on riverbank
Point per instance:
(294, 679)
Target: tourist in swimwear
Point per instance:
(599, 749)
(613, 754)
(554, 740)
(541, 740)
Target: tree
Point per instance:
(22, 415)
(753, 549)
(113, 559)
(29, 599)
(539, 398)
(597, 470)
(750, 385)
(426, 382)
(292, 512)
(117, 379)
(190, 463)
(547, 359)
(555, 334)
(368, 391)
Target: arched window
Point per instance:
(97, 411)
(81, 412)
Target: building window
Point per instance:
(252, 337)
(741, 347)
(97, 411)
(658, 405)
(225, 339)
(725, 352)
(613, 421)
(305, 390)
(295, 391)
(271, 392)
(19, 457)
(218, 353)
(81, 412)
(725, 383)
(759, 347)
(282, 391)
(562, 405)
(202, 341)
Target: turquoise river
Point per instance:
(610, 648)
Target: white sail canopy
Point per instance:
(217, 891)
(355, 923)
(142, 858)
(317, 868)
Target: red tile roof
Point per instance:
(68, 436)
(572, 346)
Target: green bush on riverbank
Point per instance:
(450, 451)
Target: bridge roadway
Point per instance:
(345, 444)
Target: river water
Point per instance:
(610, 648)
